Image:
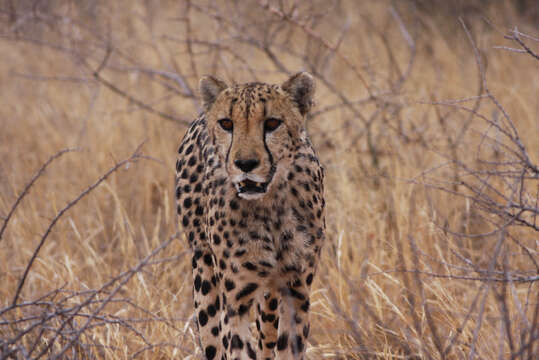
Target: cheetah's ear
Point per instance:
(301, 87)
(210, 87)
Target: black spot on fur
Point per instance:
(250, 266)
(282, 341)
(250, 352)
(243, 309)
(206, 287)
(236, 342)
(240, 252)
(208, 260)
(234, 205)
(247, 290)
(229, 285)
(202, 318)
(306, 329)
(210, 352)
(273, 304)
(297, 344)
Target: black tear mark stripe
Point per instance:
(269, 154)
(232, 103)
(229, 147)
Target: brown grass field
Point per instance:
(426, 120)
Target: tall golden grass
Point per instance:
(415, 265)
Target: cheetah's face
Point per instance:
(255, 128)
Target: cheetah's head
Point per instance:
(256, 128)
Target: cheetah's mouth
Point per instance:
(247, 187)
(251, 186)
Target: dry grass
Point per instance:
(432, 247)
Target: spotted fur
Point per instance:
(255, 251)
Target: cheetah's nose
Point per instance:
(246, 165)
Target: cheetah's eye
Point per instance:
(271, 124)
(226, 124)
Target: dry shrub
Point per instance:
(426, 124)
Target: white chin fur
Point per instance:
(251, 196)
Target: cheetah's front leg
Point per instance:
(294, 319)
(238, 297)
(267, 323)
(207, 302)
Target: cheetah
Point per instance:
(250, 201)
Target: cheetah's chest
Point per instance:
(257, 235)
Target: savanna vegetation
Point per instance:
(426, 120)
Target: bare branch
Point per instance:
(27, 187)
(133, 158)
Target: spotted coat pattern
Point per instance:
(252, 256)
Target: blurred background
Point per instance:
(426, 121)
